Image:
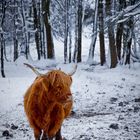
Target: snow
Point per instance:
(106, 101)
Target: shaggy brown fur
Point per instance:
(47, 102)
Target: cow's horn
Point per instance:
(74, 70)
(33, 69)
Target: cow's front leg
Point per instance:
(45, 137)
(58, 135)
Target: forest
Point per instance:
(94, 45)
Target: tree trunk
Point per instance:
(119, 31)
(36, 28)
(76, 33)
(15, 48)
(2, 56)
(40, 28)
(42, 31)
(70, 29)
(5, 54)
(127, 36)
(128, 40)
(94, 36)
(79, 49)
(43, 41)
(112, 47)
(46, 14)
(25, 32)
(15, 40)
(66, 33)
(119, 34)
(70, 43)
(2, 38)
(101, 32)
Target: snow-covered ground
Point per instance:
(106, 101)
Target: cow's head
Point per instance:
(56, 84)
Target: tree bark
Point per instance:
(101, 33)
(49, 38)
(70, 30)
(94, 36)
(119, 31)
(2, 38)
(129, 40)
(25, 32)
(2, 56)
(15, 40)
(79, 49)
(66, 33)
(127, 36)
(70, 44)
(36, 28)
(76, 33)
(112, 47)
(119, 34)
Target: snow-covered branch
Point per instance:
(126, 13)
